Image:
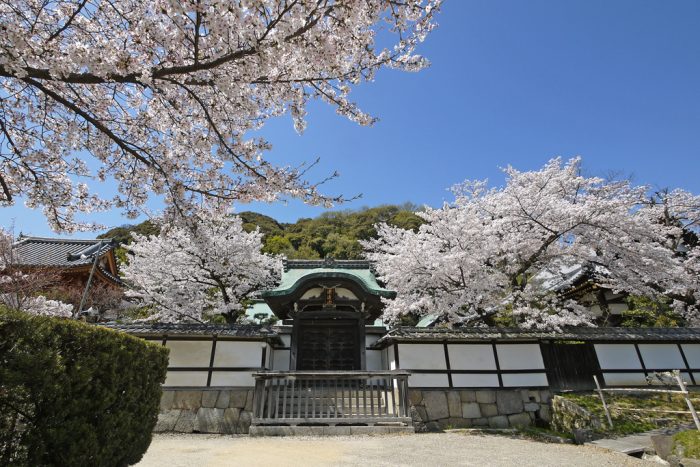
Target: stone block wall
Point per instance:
(205, 411)
(439, 409)
(568, 416)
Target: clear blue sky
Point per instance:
(511, 81)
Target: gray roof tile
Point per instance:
(67, 253)
(405, 334)
(249, 331)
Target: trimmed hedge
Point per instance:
(75, 394)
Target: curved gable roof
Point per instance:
(293, 279)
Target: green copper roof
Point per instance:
(293, 278)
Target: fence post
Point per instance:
(681, 383)
(602, 399)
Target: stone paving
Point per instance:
(635, 443)
(431, 449)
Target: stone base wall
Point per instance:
(205, 411)
(229, 411)
(434, 410)
(567, 417)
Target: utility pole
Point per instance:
(92, 273)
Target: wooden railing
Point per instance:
(331, 398)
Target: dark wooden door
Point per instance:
(328, 344)
(570, 365)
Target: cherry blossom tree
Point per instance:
(205, 265)
(482, 257)
(677, 212)
(21, 290)
(161, 96)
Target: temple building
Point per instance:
(329, 364)
(82, 273)
(72, 259)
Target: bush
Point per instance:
(75, 394)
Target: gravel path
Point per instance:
(435, 449)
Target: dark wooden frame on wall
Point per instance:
(449, 371)
(546, 370)
(570, 378)
(646, 370)
(210, 369)
(329, 315)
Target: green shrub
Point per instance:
(75, 394)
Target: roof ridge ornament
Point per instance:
(329, 262)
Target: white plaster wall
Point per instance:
(238, 354)
(661, 356)
(471, 357)
(390, 358)
(232, 378)
(624, 379)
(268, 357)
(186, 378)
(286, 339)
(371, 339)
(474, 380)
(519, 356)
(692, 354)
(373, 360)
(524, 379)
(423, 380)
(422, 356)
(280, 360)
(189, 353)
(617, 356)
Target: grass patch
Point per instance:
(627, 421)
(689, 441)
(543, 434)
(532, 433)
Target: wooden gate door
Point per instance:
(570, 365)
(327, 344)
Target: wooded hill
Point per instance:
(332, 234)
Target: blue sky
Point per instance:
(511, 82)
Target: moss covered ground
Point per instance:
(689, 441)
(635, 413)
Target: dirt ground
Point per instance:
(435, 449)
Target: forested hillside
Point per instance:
(333, 233)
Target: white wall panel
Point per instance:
(186, 378)
(189, 353)
(519, 356)
(692, 354)
(232, 378)
(684, 375)
(624, 379)
(524, 380)
(238, 354)
(617, 356)
(373, 360)
(390, 358)
(474, 380)
(428, 380)
(471, 357)
(422, 356)
(280, 360)
(661, 356)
